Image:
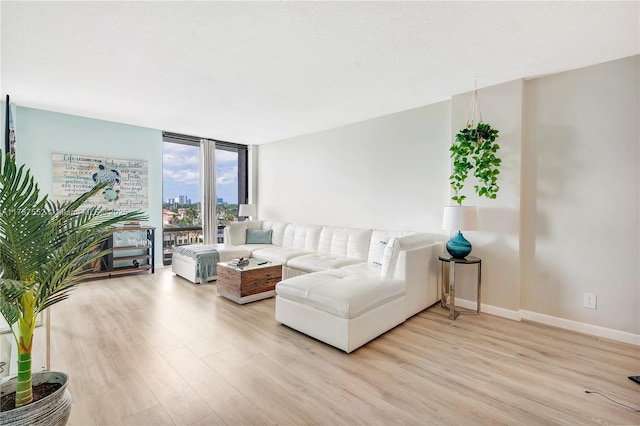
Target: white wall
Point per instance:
(566, 220)
(389, 172)
(581, 213)
(40, 133)
(498, 237)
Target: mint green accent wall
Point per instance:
(40, 133)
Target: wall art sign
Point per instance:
(75, 174)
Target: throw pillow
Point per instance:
(258, 236)
(377, 258)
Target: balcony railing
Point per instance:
(173, 237)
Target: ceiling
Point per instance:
(255, 72)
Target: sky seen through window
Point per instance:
(181, 173)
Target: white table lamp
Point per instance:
(247, 210)
(459, 218)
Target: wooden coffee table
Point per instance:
(249, 283)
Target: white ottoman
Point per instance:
(187, 266)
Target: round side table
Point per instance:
(453, 261)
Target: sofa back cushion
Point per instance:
(235, 233)
(385, 247)
(345, 242)
(277, 231)
(378, 243)
(302, 237)
(399, 244)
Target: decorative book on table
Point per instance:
(239, 262)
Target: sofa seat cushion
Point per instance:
(278, 254)
(343, 294)
(250, 248)
(362, 269)
(229, 252)
(320, 262)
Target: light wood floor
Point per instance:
(156, 350)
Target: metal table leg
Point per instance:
(452, 291)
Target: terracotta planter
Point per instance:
(52, 410)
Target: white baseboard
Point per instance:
(489, 309)
(594, 330)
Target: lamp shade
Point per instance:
(460, 218)
(247, 210)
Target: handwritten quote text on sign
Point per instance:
(128, 180)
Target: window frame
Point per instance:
(243, 158)
(243, 178)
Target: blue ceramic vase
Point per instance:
(458, 246)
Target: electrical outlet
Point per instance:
(589, 300)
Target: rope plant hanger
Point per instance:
(475, 149)
(474, 107)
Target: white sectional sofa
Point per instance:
(343, 286)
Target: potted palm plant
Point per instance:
(45, 249)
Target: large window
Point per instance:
(181, 214)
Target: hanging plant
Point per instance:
(475, 148)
